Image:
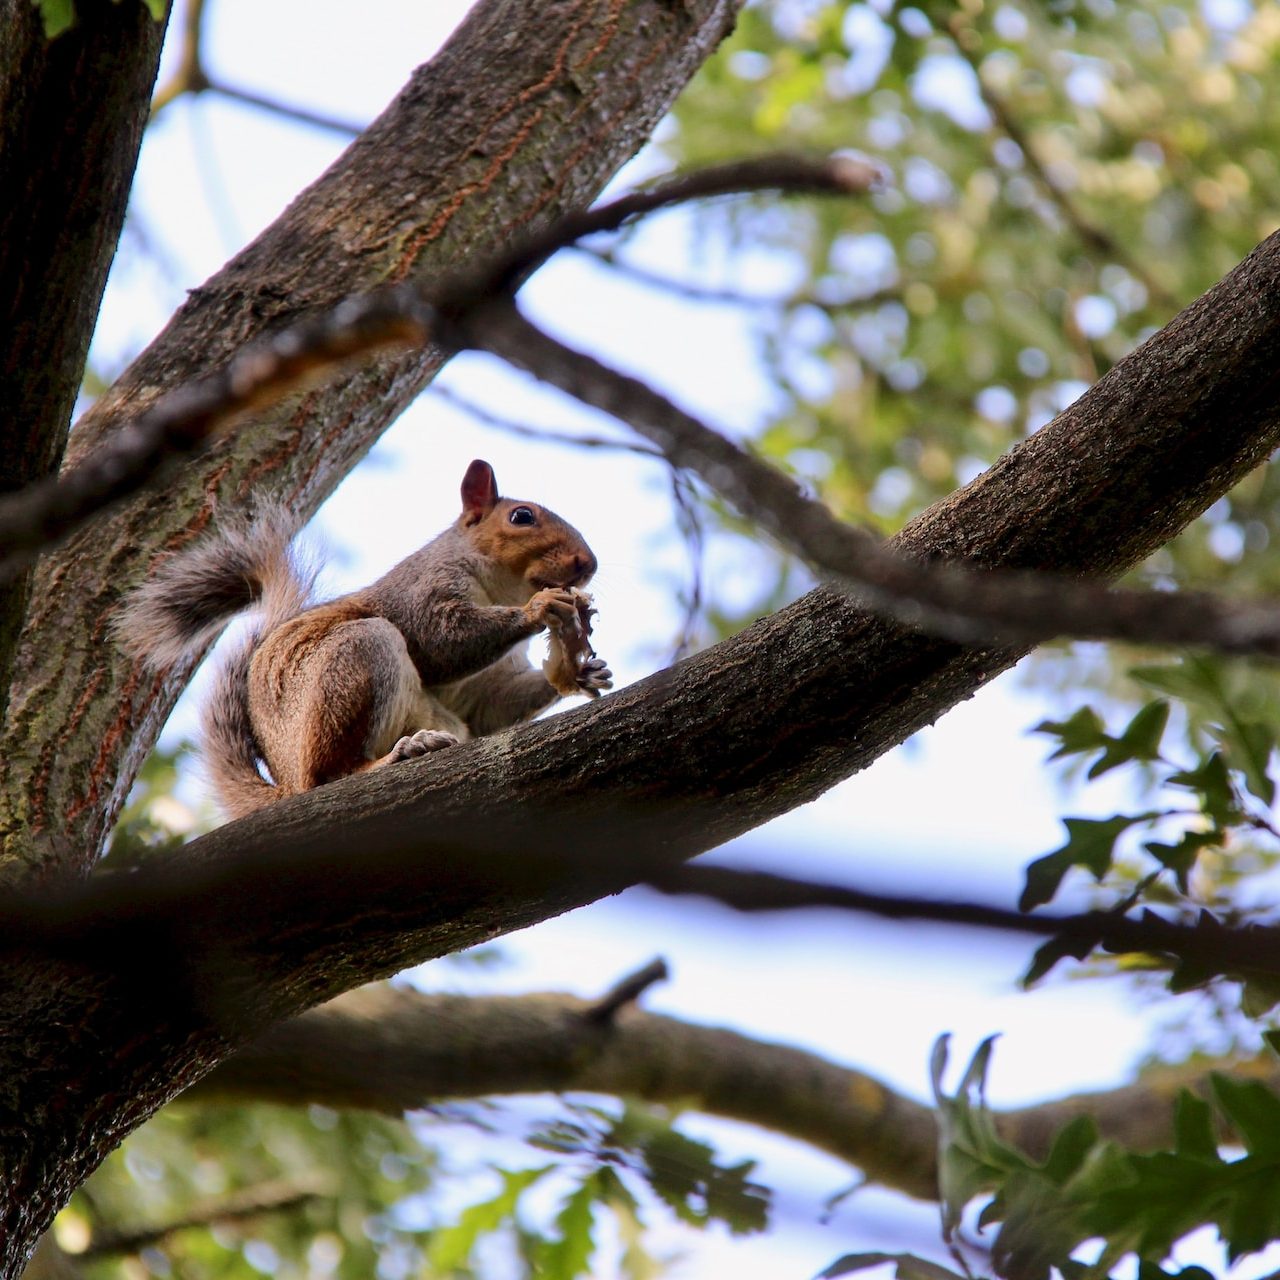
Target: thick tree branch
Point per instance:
(172, 909)
(465, 161)
(392, 1050)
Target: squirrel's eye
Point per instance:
(521, 515)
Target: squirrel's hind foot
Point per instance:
(422, 743)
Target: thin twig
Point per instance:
(835, 175)
(975, 606)
(285, 110)
(543, 435)
(627, 991)
(685, 501)
(189, 75)
(733, 297)
(252, 1202)
(192, 77)
(1209, 944)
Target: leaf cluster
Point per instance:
(1189, 856)
(1090, 1190)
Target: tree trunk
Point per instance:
(71, 117)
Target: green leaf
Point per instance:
(1181, 858)
(570, 1255)
(1047, 954)
(1070, 1148)
(1200, 680)
(57, 16)
(1144, 732)
(1195, 679)
(971, 1157)
(1253, 744)
(1139, 741)
(1260, 995)
(684, 1173)
(451, 1247)
(157, 8)
(1193, 1127)
(1254, 1113)
(1150, 1271)
(1212, 784)
(1083, 731)
(1090, 844)
(906, 1267)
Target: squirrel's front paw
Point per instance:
(594, 676)
(422, 743)
(553, 607)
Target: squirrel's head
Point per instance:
(529, 541)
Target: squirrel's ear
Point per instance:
(479, 492)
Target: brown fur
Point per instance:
(424, 657)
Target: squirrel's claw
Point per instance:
(595, 676)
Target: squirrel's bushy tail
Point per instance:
(195, 593)
(189, 599)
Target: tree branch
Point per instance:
(392, 1050)
(251, 1202)
(142, 453)
(627, 991)
(1212, 948)
(72, 111)
(690, 292)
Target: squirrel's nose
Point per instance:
(584, 566)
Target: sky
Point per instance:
(958, 811)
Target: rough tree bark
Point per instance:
(114, 1000)
(71, 118)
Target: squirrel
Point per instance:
(427, 656)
